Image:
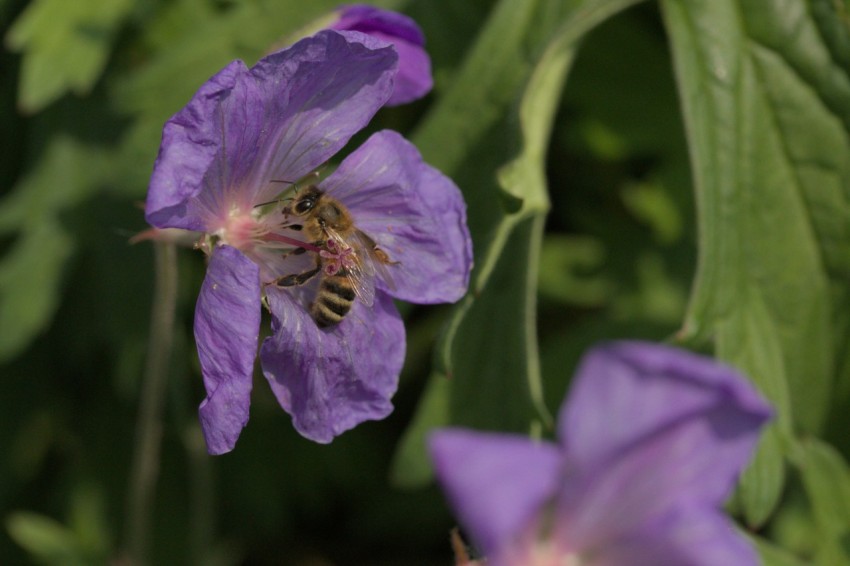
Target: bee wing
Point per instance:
(378, 258)
(361, 271)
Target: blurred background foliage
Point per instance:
(583, 204)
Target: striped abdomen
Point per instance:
(333, 300)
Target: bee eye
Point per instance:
(303, 206)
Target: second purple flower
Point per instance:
(326, 258)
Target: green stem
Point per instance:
(145, 468)
(201, 500)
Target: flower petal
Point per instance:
(319, 92)
(670, 468)
(630, 397)
(414, 66)
(331, 380)
(414, 213)
(691, 537)
(369, 19)
(192, 144)
(245, 131)
(497, 483)
(227, 325)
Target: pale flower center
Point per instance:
(544, 553)
(250, 231)
(265, 237)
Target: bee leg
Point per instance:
(382, 256)
(298, 278)
(296, 251)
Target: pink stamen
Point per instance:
(337, 259)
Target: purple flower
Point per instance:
(227, 163)
(414, 66)
(651, 442)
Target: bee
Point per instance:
(347, 262)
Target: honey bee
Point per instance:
(347, 263)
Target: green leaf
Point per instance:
(32, 267)
(747, 340)
(486, 84)
(564, 262)
(87, 518)
(772, 555)
(85, 540)
(411, 466)
(504, 286)
(67, 173)
(826, 479)
(47, 540)
(30, 278)
(763, 95)
(503, 360)
(496, 68)
(65, 46)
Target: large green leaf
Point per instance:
(64, 175)
(766, 102)
(47, 540)
(826, 479)
(83, 540)
(489, 350)
(31, 269)
(772, 555)
(65, 45)
(411, 466)
(30, 280)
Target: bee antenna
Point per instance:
(281, 181)
(272, 202)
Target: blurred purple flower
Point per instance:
(413, 80)
(226, 158)
(652, 441)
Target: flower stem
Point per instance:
(145, 467)
(201, 500)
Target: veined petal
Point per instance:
(628, 396)
(687, 463)
(370, 19)
(688, 537)
(227, 324)
(414, 67)
(246, 131)
(497, 483)
(320, 92)
(330, 380)
(191, 144)
(414, 213)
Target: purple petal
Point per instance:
(414, 213)
(670, 468)
(414, 66)
(497, 483)
(692, 537)
(369, 19)
(227, 324)
(333, 379)
(320, 92)
(630, 396)
(191, 144)
(244, 131)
